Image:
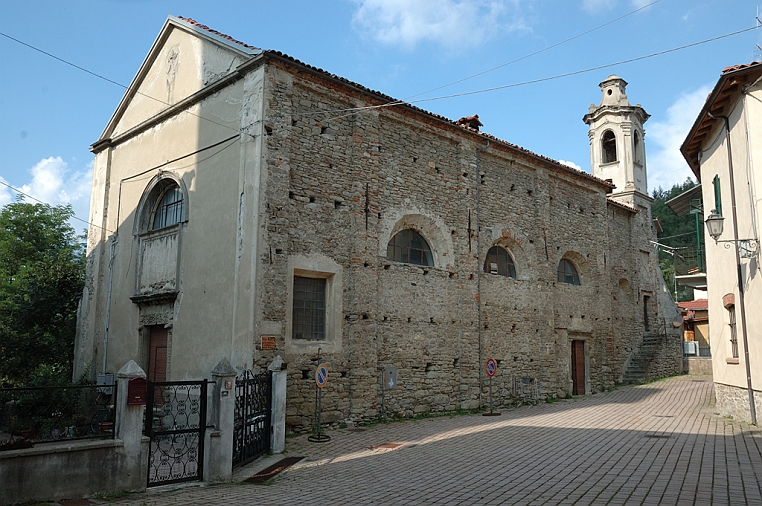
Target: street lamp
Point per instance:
(747, 248)
(714, 224)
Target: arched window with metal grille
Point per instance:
(410, 247)
(499, 262)
(170, 208)
(567, 273)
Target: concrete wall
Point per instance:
(698, 366)
(69, 471)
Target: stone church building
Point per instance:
(247, 205)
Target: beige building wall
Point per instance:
(741, 102)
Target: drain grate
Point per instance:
(657, 436)
(357, 430)
(386, 446)
(664, 416)
(273, 470)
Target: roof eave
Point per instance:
(688, 148)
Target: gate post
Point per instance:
(129, 428)
(278, 406)
(219, 457)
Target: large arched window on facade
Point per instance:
(169, 209)
(608, 145)
(567, 273)
(499, 262)
(410, 247)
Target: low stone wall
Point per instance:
(70, 470)
(697, 365)
(668, 360)
(734, 401)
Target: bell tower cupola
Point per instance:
(617, 148)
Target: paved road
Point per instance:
(652, 444)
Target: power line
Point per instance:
(83, 69)
(144, 172)
(45, 203)
(355, 110)
(535, 52)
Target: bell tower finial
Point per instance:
(617, 150)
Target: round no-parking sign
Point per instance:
(321, 375)
(491, 367)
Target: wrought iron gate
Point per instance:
(251, 430)
(175, 423)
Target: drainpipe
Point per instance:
(479, 272)
(108, 299)
(752, 407)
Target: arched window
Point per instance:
(567, 273)
(499, 262)
(636, 148)
(410, 247)
(608, 143)
(170, 208)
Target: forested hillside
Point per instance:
(679, 233)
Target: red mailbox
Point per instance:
(136, 392)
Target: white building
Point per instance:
(724, 150)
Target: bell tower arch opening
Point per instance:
(617, 148)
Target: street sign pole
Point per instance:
(491, 370)
(321, 379)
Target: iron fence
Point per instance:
(46, 414)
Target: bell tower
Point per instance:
(617, 147)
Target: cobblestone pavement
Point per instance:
(658, 443)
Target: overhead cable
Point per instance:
(45, 203)
(523, 83)
(83, 69)
(535, 52)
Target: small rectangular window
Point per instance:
(717, 195)
(309, 308)
(733, 335)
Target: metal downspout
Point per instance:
(108, 299)
(479, 272)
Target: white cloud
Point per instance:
(55, 184)
(598, 5)
(570, 164)
(451, 23)
(666, 165)
(595, 6)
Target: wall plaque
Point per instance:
(268, 342)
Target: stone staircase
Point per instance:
(640, 361)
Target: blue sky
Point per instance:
(50, 112)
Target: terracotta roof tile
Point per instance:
(219, 34)
(623, 206)
(741, 66)
(694, 305)
(383, 96)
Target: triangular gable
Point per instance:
(183, 59)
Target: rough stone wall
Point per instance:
(734, 401)
(339, 186)
(668, 361)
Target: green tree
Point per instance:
(41, 280)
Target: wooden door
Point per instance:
(157, 356)
(578, 367)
